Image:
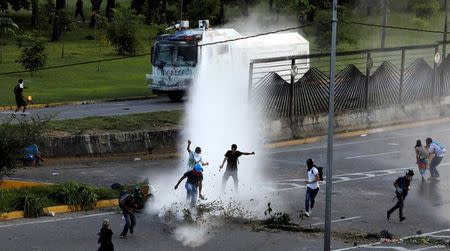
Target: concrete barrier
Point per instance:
(164, 141)
(316, 125)
(111, 143)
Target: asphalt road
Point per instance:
(100, 109)
(364, 170)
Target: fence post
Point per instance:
(366, 85)
(250, 81)
(433, 83)
(402, 72)
(291, 89)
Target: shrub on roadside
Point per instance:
(76, 195)
(122, 32)
(32, 205)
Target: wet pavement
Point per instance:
(364, 170)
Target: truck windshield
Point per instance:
(175, 54)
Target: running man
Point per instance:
(231, 157)
(401, 191)
(20, 99)
(195, 157)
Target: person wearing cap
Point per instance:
(312, 186)
(20, 100)
(194, 182)
(231, 157)
(195, 157)
(401, 191)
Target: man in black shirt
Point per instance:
(401, 191)
(194, 181)
(231, 156)
(20, 99)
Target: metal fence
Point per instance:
(391, 76)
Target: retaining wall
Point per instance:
(279, 129)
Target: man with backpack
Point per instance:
(194, 182)
(437, 152)
(128, 206)
(401, 191)
(312, 187)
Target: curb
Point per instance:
(59, 209)
(86, 102)
(12, 184)
(343, 135)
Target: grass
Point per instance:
(141, 121)
(116, 79)
(46, 194)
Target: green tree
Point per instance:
(322, 29)
(32, 55)
(13, 139)
(7, 28)
(201, 9)
(425, 8)
(121, 32)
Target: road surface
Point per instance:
(365, 167)
(100, 109)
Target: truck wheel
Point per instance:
(175, 97)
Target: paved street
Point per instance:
(102, 109)
(364, 170)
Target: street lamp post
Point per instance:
(327, 234)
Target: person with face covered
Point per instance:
(401, 191)
(231, 157)
(195, 157)
(193, 184)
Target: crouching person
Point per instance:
(194, 182)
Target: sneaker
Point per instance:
(131, 231)
(388, 215)
(23, 115)
(307, 214)
(13, 115)
(123, 237)
(402, 219)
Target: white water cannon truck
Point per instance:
(174, 57)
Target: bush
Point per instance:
(425, 8)
(121, 32)
(76, 195)
(421, 23)
(13, 138)
(31, 204)
(32, 55)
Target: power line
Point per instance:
(391, 27)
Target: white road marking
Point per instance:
(339, 220)
(372, 155)
(55, 220)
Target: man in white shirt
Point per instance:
(437, 152)
(312, 187)
(195, 157)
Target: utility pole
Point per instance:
(444, 46)
(383, 23)
(329, 182)
(180, 9)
